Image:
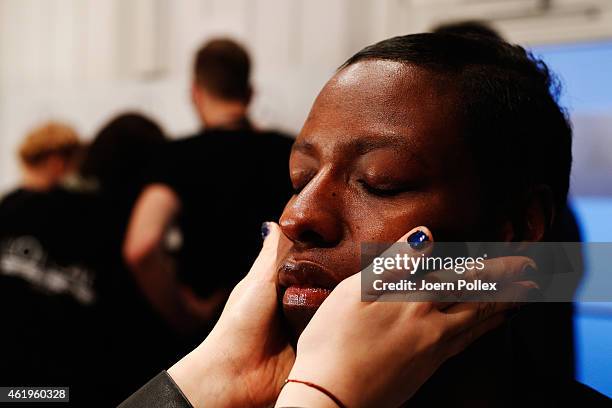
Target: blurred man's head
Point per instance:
(48, 154)
(221, 86)
(470, 28)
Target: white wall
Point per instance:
(83, 61)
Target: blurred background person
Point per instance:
(47, 269)
(48, 154)
(198, 185)
(114, 166)
(62, 268)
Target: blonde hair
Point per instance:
(52, 138)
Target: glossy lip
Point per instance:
(305, 284)
(304, 287)
(300, 297)
(305, 274)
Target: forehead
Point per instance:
(377, 98)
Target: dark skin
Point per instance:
(380, 153)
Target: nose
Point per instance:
(313, 218)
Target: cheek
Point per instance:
(380, 220)
(369, 219)
(372, 221)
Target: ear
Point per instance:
(506, 232)
(196, 95)
(539, 214)
(198, 98)
(536, 219)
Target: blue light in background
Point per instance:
(593, 322)
(585, 71)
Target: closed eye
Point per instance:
(382, 191)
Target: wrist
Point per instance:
(300, 395)
(206, 379)
(335, 382)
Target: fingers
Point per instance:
(264, 272)
(399, 261)
(502, 269)
(275, 247)
(467, 315)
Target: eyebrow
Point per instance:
(361, 145)
(365, 144)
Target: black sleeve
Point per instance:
(160, 392)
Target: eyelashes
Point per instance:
(382, 192)
(303, 181)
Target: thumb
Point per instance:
(275, 247)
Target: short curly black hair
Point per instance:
(520, 136)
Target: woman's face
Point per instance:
(379, 154)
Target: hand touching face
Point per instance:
(380, 153)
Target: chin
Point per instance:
(300, 303)
(298, 318)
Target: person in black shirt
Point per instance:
(64, 290)
(48, 292)
(198, 192)
(114, 163)
(46, 280)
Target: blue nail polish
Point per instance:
(417, 239)
(265, 230)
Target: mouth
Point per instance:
(304, 297)
(305, 285)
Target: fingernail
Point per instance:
(529, 273)
(417, 239)
(265, 230)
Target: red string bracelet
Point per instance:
(318, 388)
